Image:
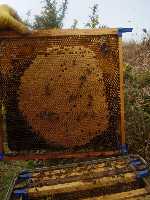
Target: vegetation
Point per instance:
(93, 18)
(51, 16)
(8, 171)
(75, 24)
(137, 97)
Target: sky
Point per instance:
(112, 13)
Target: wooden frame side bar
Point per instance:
(1, 132)
(122, 101)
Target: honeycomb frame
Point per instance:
(24, 61)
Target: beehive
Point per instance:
(61, 90)
(117, 178)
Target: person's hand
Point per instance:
(9, 19)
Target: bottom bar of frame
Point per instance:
(57, 155)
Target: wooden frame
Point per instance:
(66, 32)
(58, 155)
(80, 185)
(1, 130)
(122, 117)
(130, 195)
(61, 32)
(95, 179)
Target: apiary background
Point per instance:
(61, 90)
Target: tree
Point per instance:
(75, 23)
(27, 20)
(51, 16)
(94, 18)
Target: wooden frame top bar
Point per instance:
(60, 32)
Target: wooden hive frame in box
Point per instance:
(92, 180)
(62, 94)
